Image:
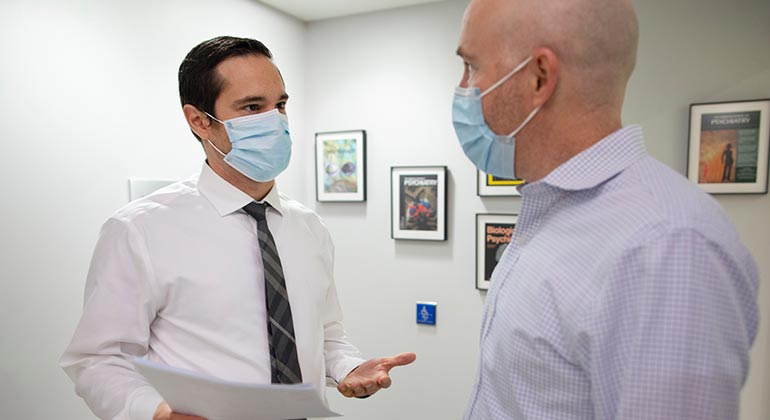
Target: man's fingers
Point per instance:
(163, 412)
(345, 390)
(364, 388)
(352, 389)
(372, 375)
(384, 381)
(176, 416)
(401, 359)
(371, 388)
(359, 391)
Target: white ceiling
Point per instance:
(309, 10)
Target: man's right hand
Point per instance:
(164, 413)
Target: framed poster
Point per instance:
(493, 234)
(728, 146)
(493, 186)
(418, 203)
(340, 166)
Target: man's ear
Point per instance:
(545, 64)
(198, 121)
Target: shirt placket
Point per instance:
(534, 208)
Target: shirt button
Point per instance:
(523, 239)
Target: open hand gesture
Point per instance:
(372, 375)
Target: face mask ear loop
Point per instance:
(213, 118)
(507, 76)
(526, 121)
(212, 144)
(215, 148)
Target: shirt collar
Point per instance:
(600, 162)
(226, 198)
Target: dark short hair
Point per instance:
(199, 82)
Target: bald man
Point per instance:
(625, 293)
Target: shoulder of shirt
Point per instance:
(669, 203)
(177, 196)
(299, 213)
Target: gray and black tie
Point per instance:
(280, 326)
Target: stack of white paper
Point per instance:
(191, 393)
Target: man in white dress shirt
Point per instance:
(179, 277)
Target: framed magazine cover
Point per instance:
(340, 166)
(728, 146)
(418, 202)
(493, 186)
(493, 234)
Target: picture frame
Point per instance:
(340, 166)
(491, 186)
(494, 233)
(418, 202)
(728, 146)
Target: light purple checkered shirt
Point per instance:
(625, 294)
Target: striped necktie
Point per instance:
(280, 326)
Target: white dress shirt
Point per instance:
(176, 277)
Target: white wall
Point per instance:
(392, 74)
(88, 98)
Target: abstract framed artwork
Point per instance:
(340, 165)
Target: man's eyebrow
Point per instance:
(251, 99)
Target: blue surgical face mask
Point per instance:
(490, 152)
(261, 145)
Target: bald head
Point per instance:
(570, 93)
(595, 41)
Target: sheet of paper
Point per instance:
(191, 393)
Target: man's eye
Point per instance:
(281, 105)
(251, 108)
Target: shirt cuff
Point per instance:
(344, 367)
(143, 403)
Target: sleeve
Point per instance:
(119, 306)
(670, 333)
(340, 355)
